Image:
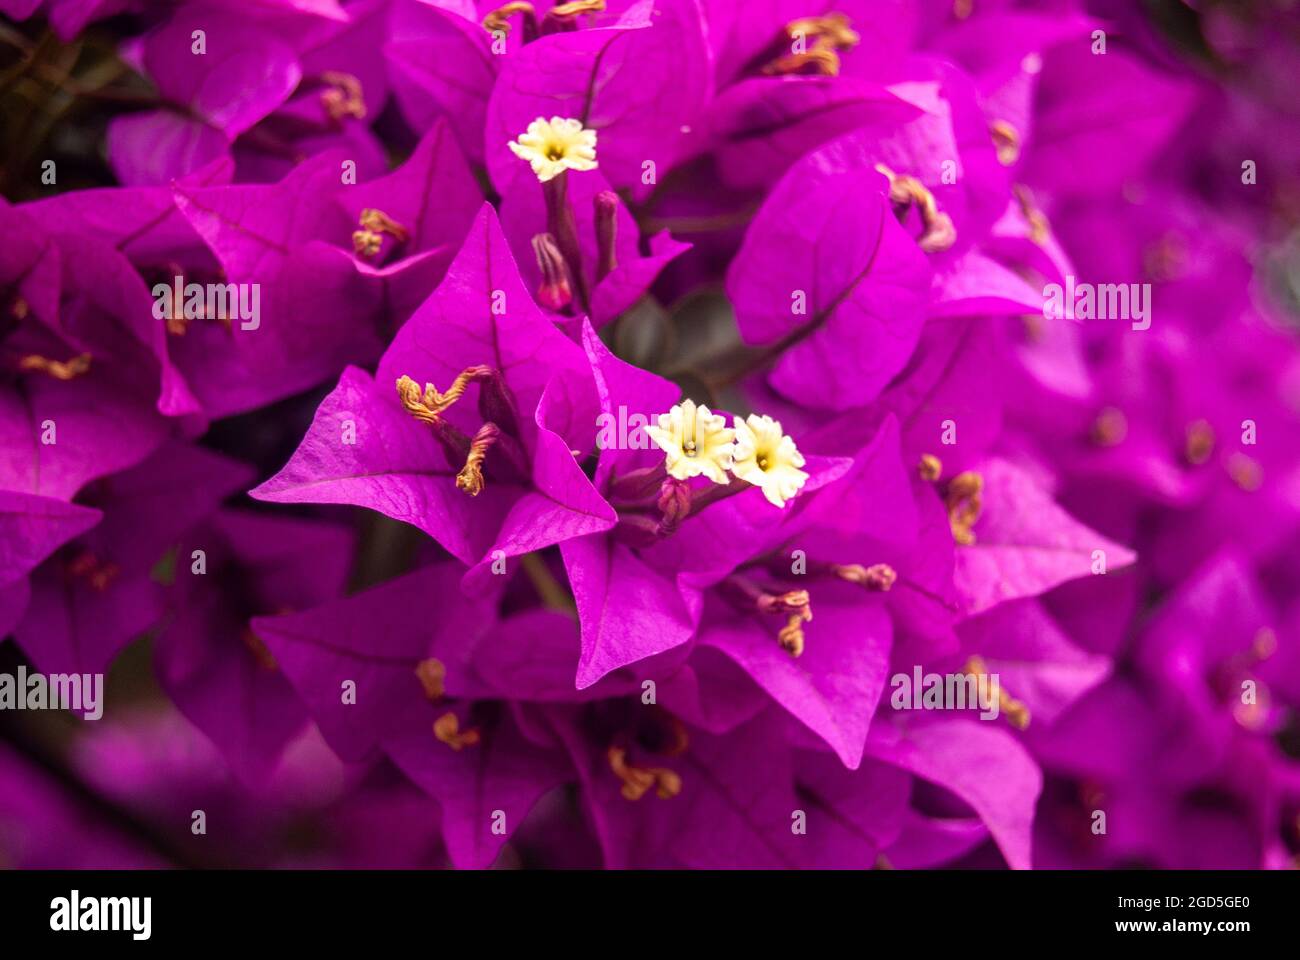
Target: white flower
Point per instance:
(767, 458)
(555, 145)
(697, 442)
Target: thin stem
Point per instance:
(552, 594)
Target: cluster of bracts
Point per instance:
(401, 263)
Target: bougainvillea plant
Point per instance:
(649, 433)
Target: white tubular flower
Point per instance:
(767, 458)
(555, 145)
(697, 443)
